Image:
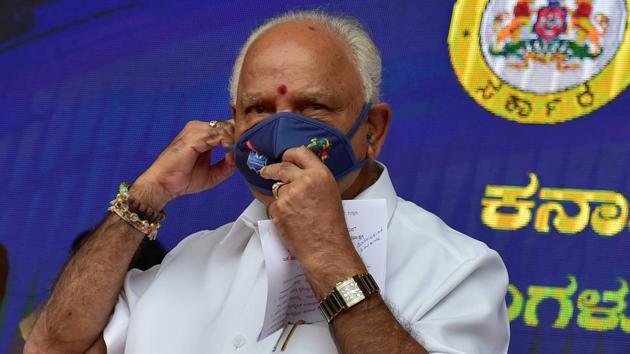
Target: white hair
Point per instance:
(365, 55)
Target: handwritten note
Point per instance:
(290, 297)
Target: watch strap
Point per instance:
(334, 303)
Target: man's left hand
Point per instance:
(310, 219)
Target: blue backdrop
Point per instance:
(91, 92)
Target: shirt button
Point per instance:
(239, 341)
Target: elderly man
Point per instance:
(298, 72)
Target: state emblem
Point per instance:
(541, 61)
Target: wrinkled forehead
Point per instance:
(300, 55)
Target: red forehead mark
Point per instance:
(282, 89)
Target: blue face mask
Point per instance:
(265, 143)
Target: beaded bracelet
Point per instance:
(143, 219)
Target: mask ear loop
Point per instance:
(362, 116)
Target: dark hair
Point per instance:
(148, 254)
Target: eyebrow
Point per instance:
(251, 99)
(316, 96)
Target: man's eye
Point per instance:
(317, 106)
(260, 109)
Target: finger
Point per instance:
(196, 135)
(192, 127)
(190, 143)
(274, 211)
(229, 157)
(271, 208)
(220, 171)
(225, 129)
(227, 132)
(201, 143)
(201, 137)
(283, 171)
(302, 157)
(200, 125)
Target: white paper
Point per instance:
(289, 295)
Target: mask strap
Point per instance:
(360, 120)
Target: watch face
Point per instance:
(350, 292)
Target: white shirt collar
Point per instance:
(382, 189)
(256, 211)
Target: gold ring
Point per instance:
(276, 186)
(213, 124)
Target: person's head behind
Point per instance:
(321, 66)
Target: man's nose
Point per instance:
(287, 109)
(284, 101)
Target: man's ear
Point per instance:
(377, 126)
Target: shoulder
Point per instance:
(413, 225)
(184, 261)
(438, 276)
(429, 261)
(198, 243)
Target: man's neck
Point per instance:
(370, 172)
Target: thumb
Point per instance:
(221, 170)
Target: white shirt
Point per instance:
(209, 293)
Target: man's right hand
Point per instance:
(73, 318)
(184, 167)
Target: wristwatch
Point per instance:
(347, 294)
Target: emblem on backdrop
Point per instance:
(541, 61)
